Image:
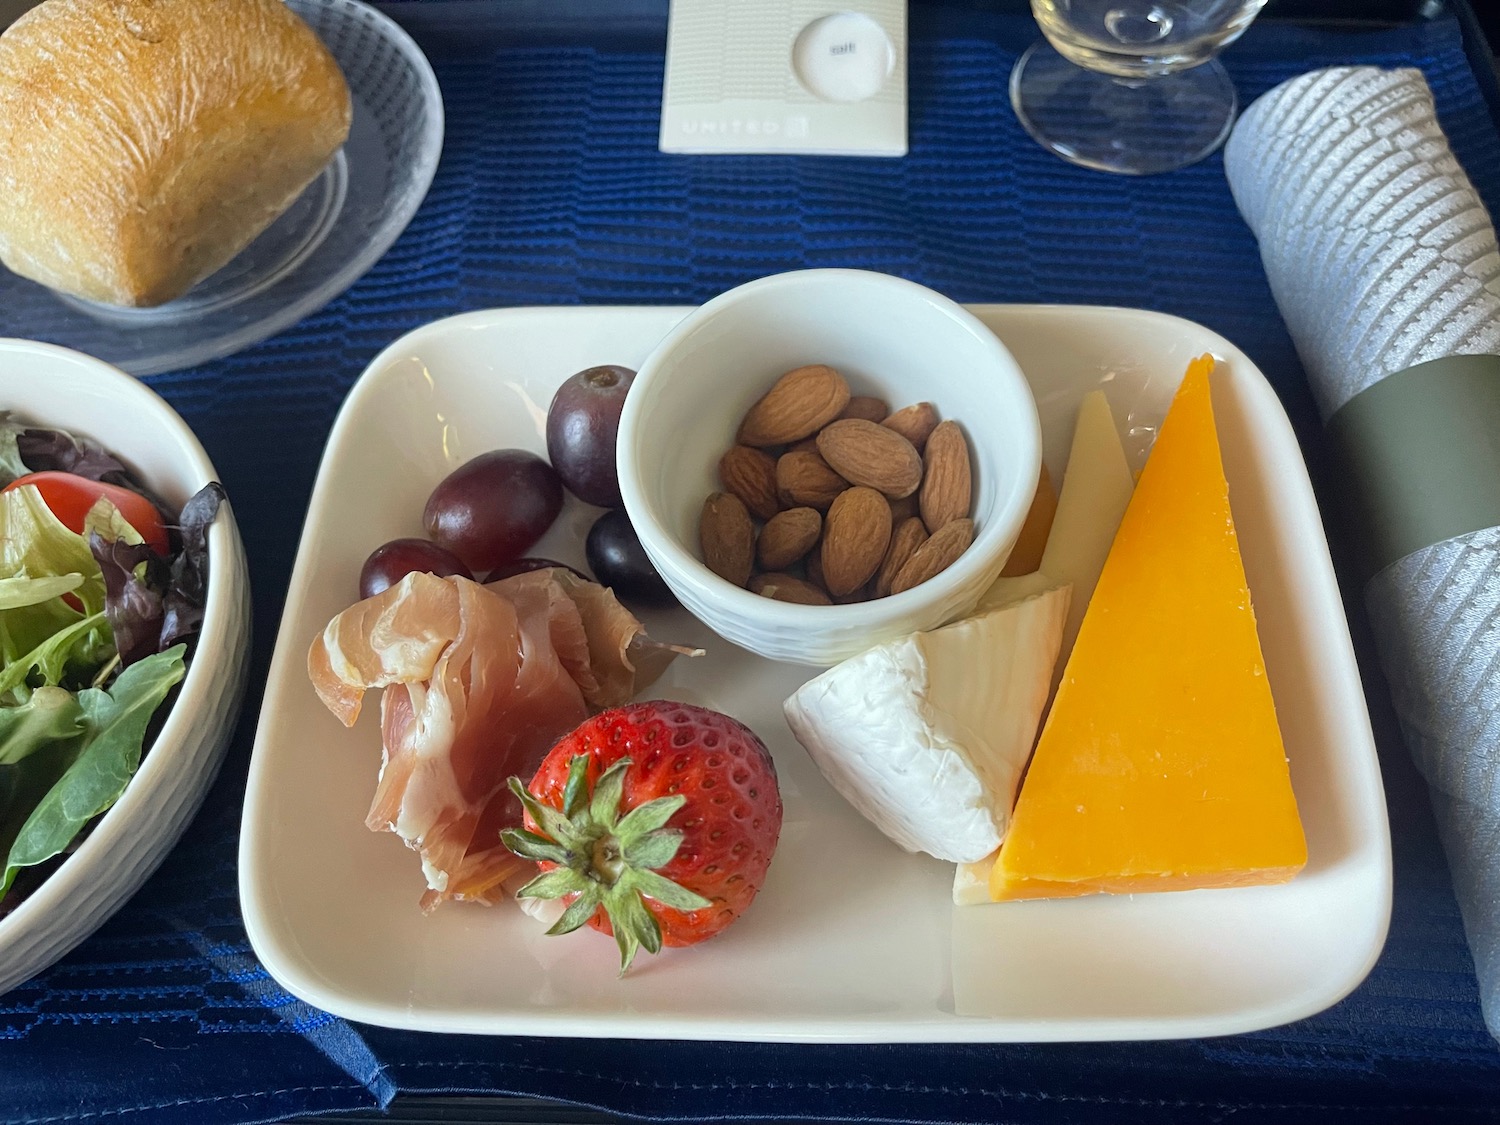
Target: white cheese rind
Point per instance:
(867, 726)
(927, 735)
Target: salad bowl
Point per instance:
(54, 387)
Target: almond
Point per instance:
(785, 588)
(869, 408)
(914, 423)
(799, 404)
(815, 578)
(803, 479)
(945, 482)
(903, 509)
(868, 454)
(727, 537)
(807, 444)
(751, 475)
(908, 536)
(788, 536)
(855, 537)
(934, 556)
(862, 594)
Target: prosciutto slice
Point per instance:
(479, 683)
(618, 659)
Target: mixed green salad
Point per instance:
(101, 596)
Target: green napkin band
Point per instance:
(1418, 455)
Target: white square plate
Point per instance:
(851, 940)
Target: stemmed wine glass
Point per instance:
(1130, 86)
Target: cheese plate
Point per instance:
(851, 939)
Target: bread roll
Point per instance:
(144, 143)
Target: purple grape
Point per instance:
(582, 424)
(620, 562)
(490, 510)
(393, 561)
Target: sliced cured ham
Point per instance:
(618, 660)
(479, 683)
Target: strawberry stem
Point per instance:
(604, 861)
(607, 862)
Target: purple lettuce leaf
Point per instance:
(59, 451)
(132, 603)
(45, 450)
(188, 585)
(152, 607)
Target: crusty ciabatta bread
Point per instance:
(144, 143)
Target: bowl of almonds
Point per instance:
(820, 461)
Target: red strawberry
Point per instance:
(655, 821)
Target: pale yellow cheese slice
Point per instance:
(1096, 490)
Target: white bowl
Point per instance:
(890, 338)
(53, 386)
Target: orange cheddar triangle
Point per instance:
(1161, 766)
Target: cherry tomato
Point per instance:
(70, 497)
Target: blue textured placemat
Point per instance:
(551, 191)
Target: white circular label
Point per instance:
(845, 57)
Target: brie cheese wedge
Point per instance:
(927, 736)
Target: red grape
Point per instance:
(582, 424)
(489, 510)
(393, 561)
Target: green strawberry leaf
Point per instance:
(579, 911)
(653, 850)
(551, 821)
(668, 893)
(528, 845)
(604, 859)
(576, 792)
(608, 790)
(649, 817)
(554, 884)
(635, 927)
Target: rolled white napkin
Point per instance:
(1377, 247)
(1382, 257)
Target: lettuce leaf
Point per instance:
(86, 642)
(21, 591)
(35, 544)
(105, 519)
(115, 722)
(188, 585)
(150, 604)
(134, 579)
(52, 714)
(22, 787)
(43, 450)
(50, 634)
(11, 465)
